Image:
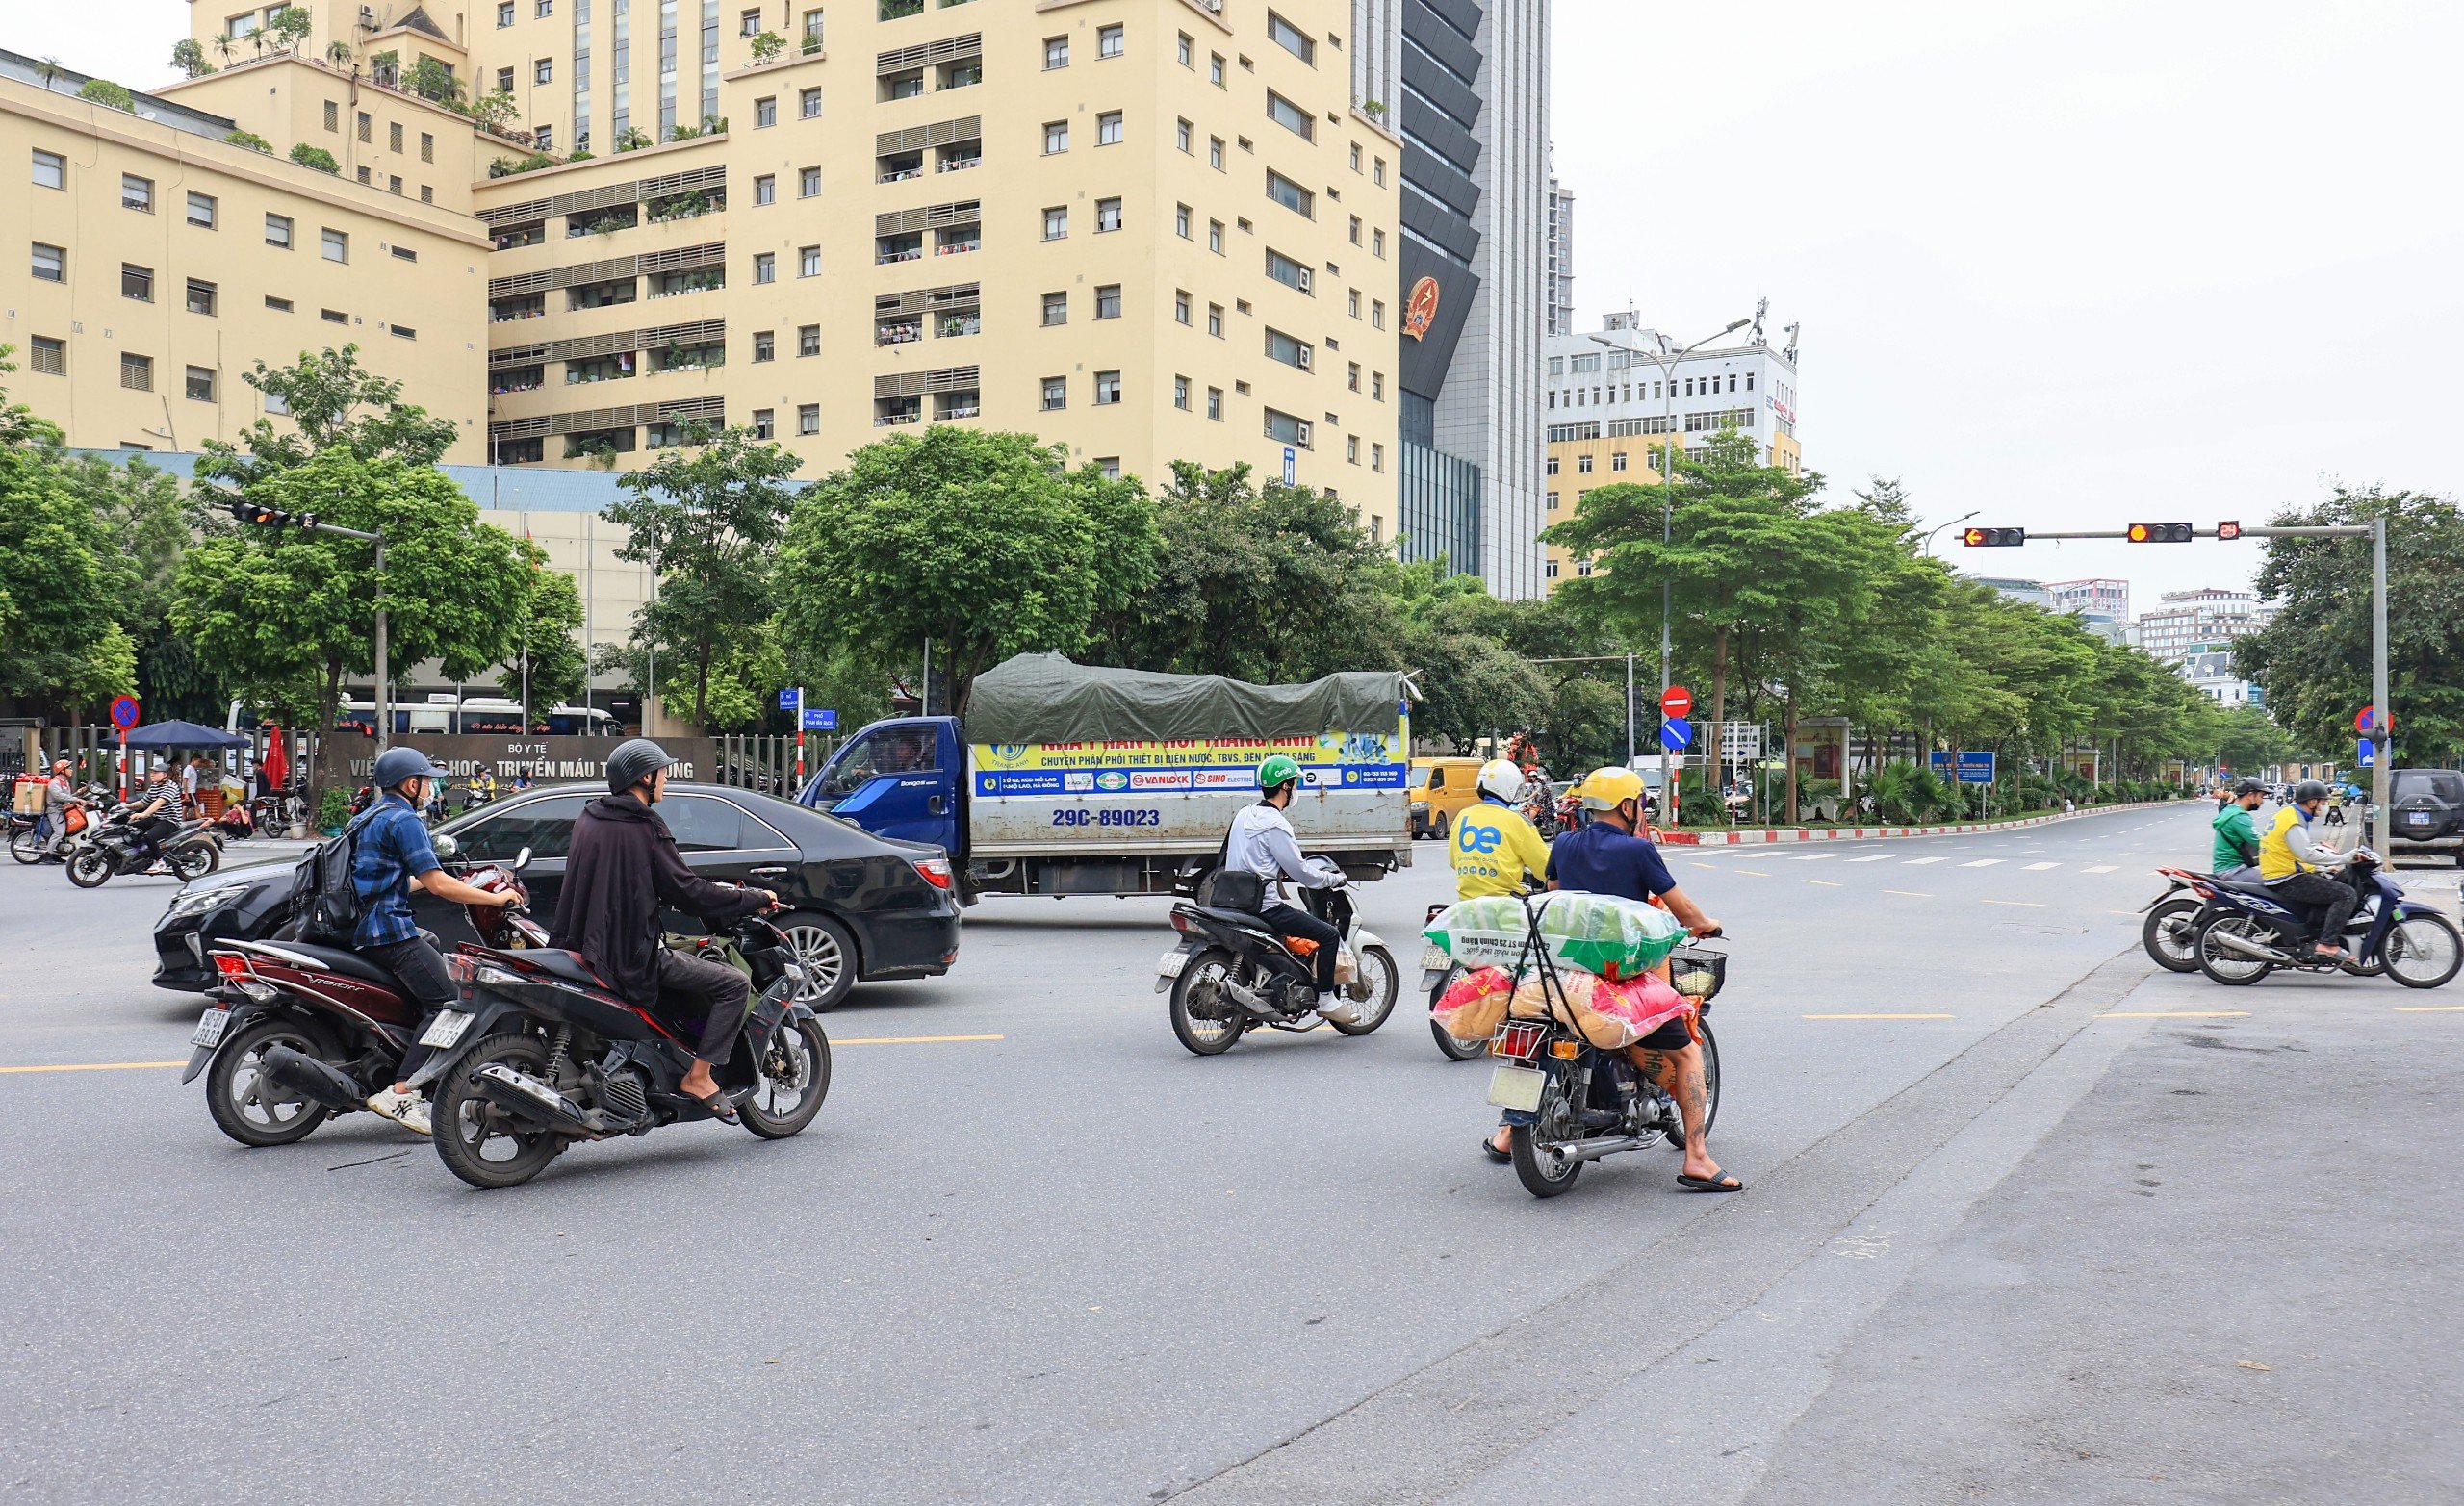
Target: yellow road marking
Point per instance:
(1825, 882)
(2016, 904)
(1699, 863)
(2175, 1015)
(1876, 1016)
(133, 1066)
(1757, 871)
(2428, 1009)
(1908, 894)
(98, 1067)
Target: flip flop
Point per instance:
(1723, 1183)
(717, 1104)
(1488, 1148)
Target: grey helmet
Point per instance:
(396, 764)
(2247, 787)
(2307, 791)
(635, 759)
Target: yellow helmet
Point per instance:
(1608, 788)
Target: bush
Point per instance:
(333, 810)
(103, 91)
(768, 46)
(508, 167)
(316, 157)
(251, 140)
(1701, 808)
(1904, 795)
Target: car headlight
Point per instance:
(196, 901)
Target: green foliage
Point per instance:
(496, 110)
(59, 574)
(188, 56)
(436, 82)
(333, 402)
(509, 166)
(767, 46)
(632, 139)
(251, 140)
(291, 27)
(333, 809)
(547, 635)
(105, 92)
(986, 544)
(1905, 794)
(316, 157)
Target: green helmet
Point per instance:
(1278, 769)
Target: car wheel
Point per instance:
(827, 952)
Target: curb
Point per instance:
(1792, 834)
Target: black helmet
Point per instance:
(2248, 786)
(2307, 791)
(396, 764)
(635, 759)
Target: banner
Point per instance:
(345, 759)
(1329, 760)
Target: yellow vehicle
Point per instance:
(1441, 787)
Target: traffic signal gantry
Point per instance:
(263, 517)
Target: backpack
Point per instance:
(1231, 888)
(325, 902)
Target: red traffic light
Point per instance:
(2159, 533)
(1994, 538)
(2228, 530)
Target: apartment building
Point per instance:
(163, 252)
(1561, 258)
(2191, 621)
(2101, 598)
(1615, 395)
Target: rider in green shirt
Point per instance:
(2237, 840)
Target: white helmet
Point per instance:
(1499, 778)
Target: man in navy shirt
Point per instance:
(1606, 857)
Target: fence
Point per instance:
(767, 763)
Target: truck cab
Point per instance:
(902, 778)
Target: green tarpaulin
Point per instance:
(1043, 698)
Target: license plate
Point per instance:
(1517, 1088)
(1435, 959)
(1172, 963)
(210, 1028)
(447, 1030)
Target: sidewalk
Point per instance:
(1768, 836)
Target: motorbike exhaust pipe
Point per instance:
(320, 1082)
(2251, 949)
(1597, 1146)
(533, 1102)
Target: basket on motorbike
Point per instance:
(1698, 972)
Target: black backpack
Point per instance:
(324, 904)
(1231, 888)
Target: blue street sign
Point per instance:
(817, 720)
(1291, 466)
(1675, 733)
(828, 721)
(2368, 758)
(790, 699)
(1974, 768)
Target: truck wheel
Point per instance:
(828, 954)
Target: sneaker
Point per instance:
(1338, 1009)
(407, 1110)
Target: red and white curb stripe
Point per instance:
(1872, 833)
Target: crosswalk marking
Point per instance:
(1981, 862)
(2106, 868)
(1920, 862)
(2039, 867)
(1878, 857)
(1812, 858)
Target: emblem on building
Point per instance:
(1419, 310)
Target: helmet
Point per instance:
(2307, 791)
(396, 764)
(1608, 788)
(2246, 786)
(1500, 779)
(60, 766)
(635, 759)
(1279, 769)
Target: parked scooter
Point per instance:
(1232, 973)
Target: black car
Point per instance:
(859, 906)
(2427, 813)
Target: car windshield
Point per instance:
(893, 750)
(1420, 778)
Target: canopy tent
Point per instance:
(1043, 698)
(182, 734)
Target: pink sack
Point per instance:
(1473, 1005)
(1607, 1014)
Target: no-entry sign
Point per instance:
(1676, 700)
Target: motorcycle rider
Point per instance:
(1494, 847)
(2298, 866)
(2237, 840)
(1262, 842)
(162, 808)
(59, 798)
(1606, 857)
(623, 866)
(391, 855)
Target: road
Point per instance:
(2023, 1223)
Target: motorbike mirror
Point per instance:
(521, 860)
(445, 845)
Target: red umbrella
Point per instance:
(276, 763)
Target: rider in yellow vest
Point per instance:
(1494, 849)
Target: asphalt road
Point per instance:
(2023, 1224)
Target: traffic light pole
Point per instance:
(247, 512)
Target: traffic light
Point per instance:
(2228, 530)
(2159, 533)
(1994, 538)
(271, 517)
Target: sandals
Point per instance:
(1489, 1148)
(1722, 1182)
(716, 1103)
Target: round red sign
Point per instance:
(1676, 700)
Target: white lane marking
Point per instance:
(1812, 858)
(1920, 862)
(2039, 867)
(1878, 857)
(1981, 862)
(2106, 868)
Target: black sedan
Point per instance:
(859, 906)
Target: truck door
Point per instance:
(894, 780)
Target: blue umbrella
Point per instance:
(182, 734)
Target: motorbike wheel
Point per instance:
(1448, 1046)
(248, 1106)
(828, 954)
(480, 1142)
(194, 863)
(1385, 987)
(1205, 1021)
(91, 869)
(2168, 936)
(25, 845)
(795, 1078)
(2223, 965)
(1710, 1089)
(2424, 951)
(1542, 1172)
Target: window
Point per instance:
(1617, 461)
(1215, 403)
(1286, 428)
(542, 71)
(1110, 41)
(1378, 386)
(393, 134)
(404, 253)
(333, 316)
(1582, 465)
(1214, 320)
(1108, 128)
(51, 263)
(135, 192)
(1108, 466)
(1291, 39)
(765, 190)
(1215, 152)
(808, 262)
(1291, 116)
(808, 103)
(1355, 229)
(137, 282)
(1188, 51)
(199, 383)
(1056, 138)
(765, 423)
(1351, 449)
(50, 357)
(766, 113)
(51, 170)
(203, 296)
(543, 8)
(1056, 222)
(504, 14)
(1181, 393)
(1214, 69)
(1215, 236)
(1287, 272)
(1377, 171)
(1553, 566)
(1377, 243)
(1056, 52)
(765, 345)
(1377, 313)
(202, 210)
(337, 246)
(1295, 198)
(1056, 393)
(748, 23)
(1181, 314)
(1108, 301)
(807, 340)
(1181, 221)
(136, 373)
(333, 116)
(428, 148)
(1355, 302)
(808, 183)
(765, 267)
(363, 175)
(368, 123)
(278, 231)
(1355, 156)
(1107, 215)
(809, 417)
(1107, 389)
(1282, 348)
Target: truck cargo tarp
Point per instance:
(1043, 698)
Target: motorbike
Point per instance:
(2255, 932)
(1569, 1103)
(1541, 808)
(111, 847)
(542, 1055)
(295, 1033)
(28, 836)
(1438, 972)
(2174, 919)
(1232, 973)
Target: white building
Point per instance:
(1621, 380)
(2191, 621)
(2210, 672)
(1561, 259)
(2092, 599)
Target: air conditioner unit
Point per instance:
(1306, 358)
(1308, 279)
(368, 19)
(1304, 440)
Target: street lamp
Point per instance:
(1952, 524)
(1667, 364)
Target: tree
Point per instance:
(288, 613)
(56, 581)
(291, 27)
(334, 402)
(434, 81)
(545, 660)
(707, 518)
(148, 523)
(1445, 634)
(108, 94)
(983, 544)
(188, 56)
(316, 157)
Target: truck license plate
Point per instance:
(1435, 959)
(210, 1028)
(1173, 961)
(1517, 1088)
(447, 1030)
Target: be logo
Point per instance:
(1472, 838)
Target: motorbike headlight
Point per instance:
(196, 901)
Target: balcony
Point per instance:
(908, 84)
(893, 411)
(950, 163)
(899, 248)
(691, 358)
(603, 222)
(601, 295)
(900, 9)
(599, 369)
(952, 326)
(958, 242)
(517, 379)
(958, 405)
(506, 311)
(900, 169)
(514, 238)
(675, 285)
(903, 332)
(962, 75)
(687, 206)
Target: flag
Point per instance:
(276, 763)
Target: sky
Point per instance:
(2068, 264)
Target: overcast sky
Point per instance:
(2072, 264)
